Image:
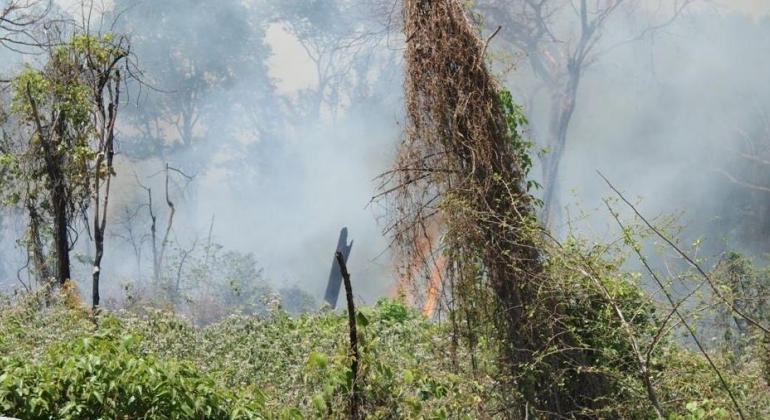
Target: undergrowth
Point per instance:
(60, 362)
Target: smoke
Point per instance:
(318, 176)
(284, 156)
(286, 150)
(291, 220)
(663, 117)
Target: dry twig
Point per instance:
(355, 396)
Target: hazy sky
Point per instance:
(760, 7)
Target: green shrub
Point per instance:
(107, 376)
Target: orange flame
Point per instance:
(423, 251)
(434, 286)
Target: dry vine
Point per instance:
(460, 163)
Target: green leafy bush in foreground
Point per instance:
(59, 363)
(107, 375)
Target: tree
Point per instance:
(205, 74)
(462, 156)
(573, 339)
(746, 288)
(746, 166)
(19, 21)
(324, 32)
(61, 161)
(561, 40)
(338, 38)
(103, 58)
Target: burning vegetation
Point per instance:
(460, 175)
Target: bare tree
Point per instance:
(561, 40)
(20, 22)
(105, 82)
(745, 163)
(159, 249)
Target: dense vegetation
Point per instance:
(518, 318)
(60, 361)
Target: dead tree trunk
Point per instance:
(355, 394)
(103, 170)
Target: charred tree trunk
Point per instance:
(55, 162)
(61, 226)
(562, 109)
(355, 393)
(106, 120)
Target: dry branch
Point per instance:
(714, 288)
(355, 396)
(675, 310)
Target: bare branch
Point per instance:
(651, 28)
(19, 21)
(687, 258)
(486, 44)
(735, 180)
(670, 298)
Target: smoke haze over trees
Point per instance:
(267, 160)
(276, 117)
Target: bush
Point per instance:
(107, 375)
(160, 365)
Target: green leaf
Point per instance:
(319, 403)
(408, 377)
(318, 360)
(362, 320)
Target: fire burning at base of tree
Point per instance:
(423, 294)
(434, 286)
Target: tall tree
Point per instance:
(462, 158)
(342, 39)
(61, 160)
(204, 66)
(561, 40)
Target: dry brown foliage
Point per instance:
(458, 166)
